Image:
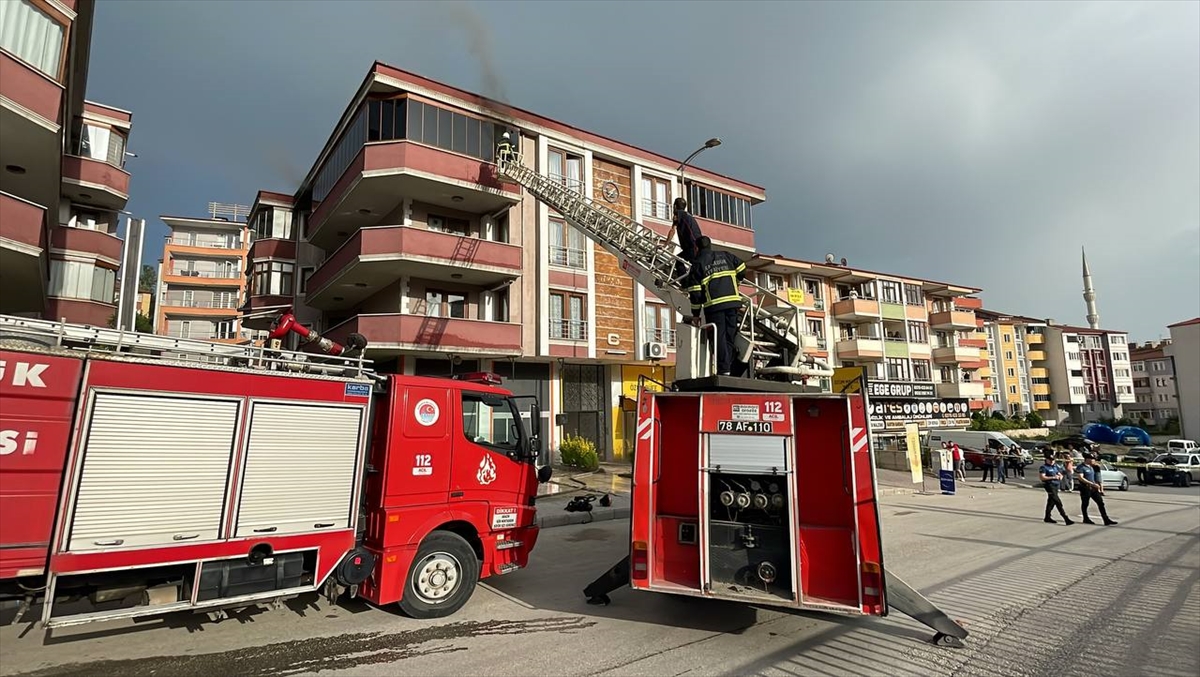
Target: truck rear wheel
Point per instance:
(442, 576)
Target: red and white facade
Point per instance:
(402, 232)
(62, 182)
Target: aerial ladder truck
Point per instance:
(765, 493)
(770, 339)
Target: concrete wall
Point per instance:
(1185, 347)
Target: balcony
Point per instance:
(383, 174)
(176, 303)
(973, 342)
(207, 278)
(80, 311)
(920, 351)
(30, 105)
(972, 390)
(94, 242)
(856, 310)
(860, 348)
(727, 235)
(273, 248)
(813, 343)
(94, 182)
(208, 248)
(1036, 355)
(952, 319)
(389, 333)
(22, 265)
(955, 353)
(378, 256)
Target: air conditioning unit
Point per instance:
(655, 350)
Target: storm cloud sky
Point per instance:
(976, 143)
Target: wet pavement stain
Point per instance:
(315, 654)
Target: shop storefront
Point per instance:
(896, 403)
(625, 408)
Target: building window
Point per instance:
(565, 168)
(913, 295)
(499, 310)
(947, 374)
(921, 371)
(707, 203)
(1012, 373)
(1008, 354)
(897, 369)
(890, 291)
(273, 278)
(305, 273)
(660, 324)
(1012, 390)
(816, 327)
(444, 224)
(812, 290)
(567, 247)
(656, 198)
(78, 280)
(445, 304)
(568, 318)
(33, 36)
(103, 144)
(272, 223)
(918, 332)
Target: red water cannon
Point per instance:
(287, 323)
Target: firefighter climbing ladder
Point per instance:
(771, 329)
(53, 334)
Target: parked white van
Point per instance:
(1182, 447)
(973, 440)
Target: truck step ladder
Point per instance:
(772, 321)
(106, 341)
(900, 596)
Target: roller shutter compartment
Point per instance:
(300, 468)
(155, 470)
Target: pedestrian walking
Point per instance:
(1051, 476)
(960, 465)
(1091, 490)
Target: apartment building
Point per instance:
(1154, 390)
(918, 339)
(63, 183)
(1185, 350)
(402, 232)
(1016, 358)
(1090, 373)
(202, 275)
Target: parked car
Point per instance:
(1178, 469)
(1183, 447)
(1113, 478)
(1140, 455)
(974, 443)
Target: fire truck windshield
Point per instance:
(493, 421)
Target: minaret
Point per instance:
(1089, 295)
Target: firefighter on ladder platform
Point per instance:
(713, 287)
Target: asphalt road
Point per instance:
(1039, 599)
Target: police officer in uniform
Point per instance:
(713, 288)
(1090, 488)
(1051, 475)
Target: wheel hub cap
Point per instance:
(438, 578)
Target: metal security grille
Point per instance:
(585, 405)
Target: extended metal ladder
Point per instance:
(772, 340)
(49, 334)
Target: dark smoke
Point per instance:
(479, 43)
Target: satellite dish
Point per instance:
(829, 257)
(843, 260)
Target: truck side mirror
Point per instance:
(535, 420)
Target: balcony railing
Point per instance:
(213, 274)
(182, 302)
(568, 330)
(214, 244)
(666, 336)
(566, 256)
(656, 210)
(244, 335)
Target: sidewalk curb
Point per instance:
(570, 518)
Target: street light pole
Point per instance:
(711, 143)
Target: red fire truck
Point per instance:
(145, 474)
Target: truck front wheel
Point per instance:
(442, 576)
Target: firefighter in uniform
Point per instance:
(713, 288)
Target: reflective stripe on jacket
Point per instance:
(714, 281)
